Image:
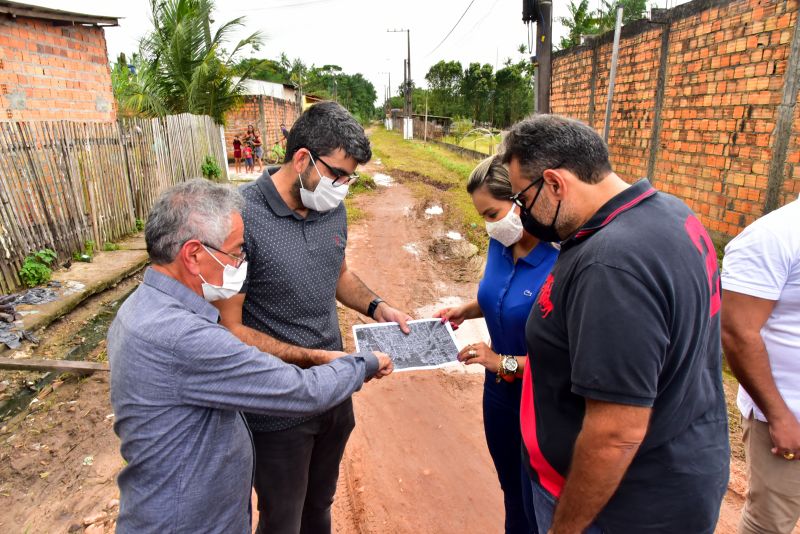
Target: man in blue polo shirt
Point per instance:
(295, 237)
(623, 413)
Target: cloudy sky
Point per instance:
(353, 33)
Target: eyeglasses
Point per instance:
(340, 177)
(239, 260)
(516, 197)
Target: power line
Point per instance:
(451, 29)
(289, 5)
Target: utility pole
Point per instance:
(408, 127)
(544, 47)
(613, 75)
(541, 12)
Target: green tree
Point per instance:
(513, 96)
(477, 86)
(444, 80)
(183, 67)
(580, 22)
(267, 70)
(606, 16)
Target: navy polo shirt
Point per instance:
(630, 315)
(293, 268)
(505, 295)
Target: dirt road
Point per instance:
(417, 461)
(418, 452)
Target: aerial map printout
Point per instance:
(429, 345)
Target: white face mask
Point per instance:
(325, 197)
(232, 281)
(507, 230)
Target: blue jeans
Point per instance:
(545, 505)
(503, 436)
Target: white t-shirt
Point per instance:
(764, 261)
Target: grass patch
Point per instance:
(441, 168)
(364, 185)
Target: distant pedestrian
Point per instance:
(237, 153)
(761, 338)
(258, 149)
(284, 135)
(248, 158)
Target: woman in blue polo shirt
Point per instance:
(516, 267)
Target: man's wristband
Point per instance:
(373, 306)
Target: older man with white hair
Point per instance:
(179, 380)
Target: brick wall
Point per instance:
(53, 72)
(275, 112)
(699, 117)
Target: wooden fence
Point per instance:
(64, 183)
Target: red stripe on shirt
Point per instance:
(628, 205)
(549, 478)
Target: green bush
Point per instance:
(108, 246)
(139, 225)
(36, 268)
(211, 169)
(459, 128)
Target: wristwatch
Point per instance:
(373, 306)
(508, 368)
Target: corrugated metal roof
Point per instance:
(22, 9)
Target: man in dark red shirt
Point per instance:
(623, 413)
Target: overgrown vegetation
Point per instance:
(442, 179)
(211, 169)
(476, 92)
(139, 225)
(584, 22)
(180, 67)
(110, 247)
(36, 269)
(365, 184)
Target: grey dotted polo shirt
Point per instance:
(293, 266)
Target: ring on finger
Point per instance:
(789, 455)
(472, 353)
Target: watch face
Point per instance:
(510, 365)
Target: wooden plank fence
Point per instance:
(64, 183)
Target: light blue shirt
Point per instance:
(178, 382)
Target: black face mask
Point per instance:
(534, 227)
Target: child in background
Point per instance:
(248, 158)
(237, 153)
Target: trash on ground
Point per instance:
(411, 248)
(383, 180)
(434, 210)
(455, 236)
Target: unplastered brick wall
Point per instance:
(265, 113)
(52, 72)
(696, 105)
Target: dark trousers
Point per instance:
(504, 438)
(297, 470)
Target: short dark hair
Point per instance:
(544, 142)
(326, 127)
(493, 175)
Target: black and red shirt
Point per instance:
(630, 315)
